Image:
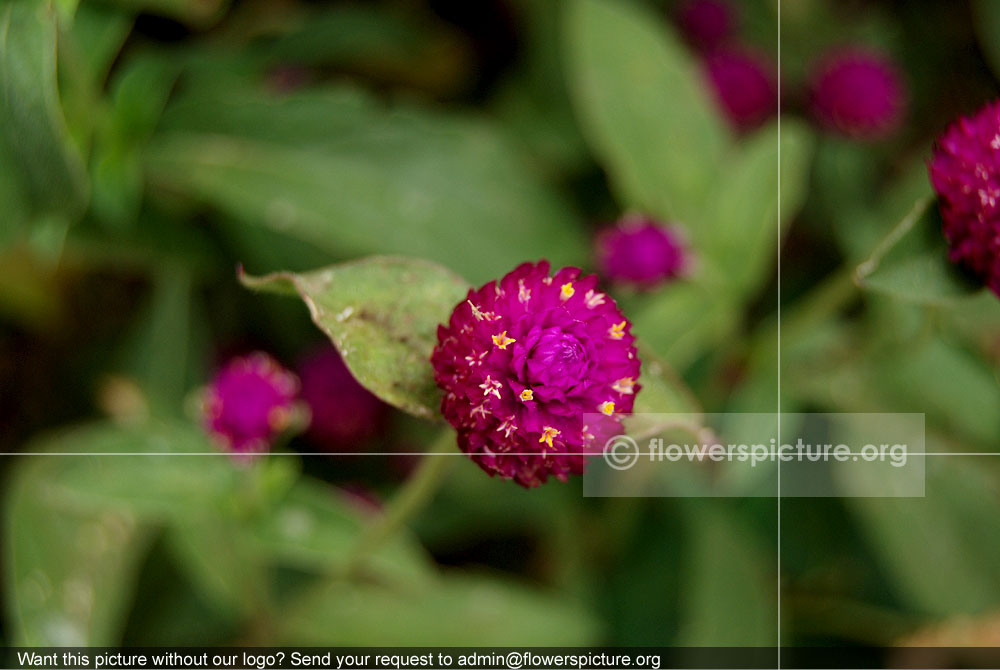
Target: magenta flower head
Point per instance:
(639, 251)
(706, 23)
(745, 86)
(521, 362)
(343, 412)
(965, 172)
(248, 403)
(857, 92)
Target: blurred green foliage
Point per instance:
(149, 147)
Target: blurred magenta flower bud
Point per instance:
(523, 360)
(857, 92)
(250, 401)
(964, 172)
(344, 413)
(639, 251)
(707, 24)
(745, 86)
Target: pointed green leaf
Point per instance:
(730, 597)
(334, 168)
(644, 108)
(742, 237)
(953, 529)
(382, 315)
(48, 178)
(455, 610)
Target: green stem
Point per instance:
(409, 501)
(834, 293)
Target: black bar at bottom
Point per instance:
(489, 658)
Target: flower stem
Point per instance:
(418, 490)
(824, 301)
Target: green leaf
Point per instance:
(68, 575)
(96, 36)
(138, 95)
(730, 596)
(644, 108)
(859, 224)
(161, 482)
(952, 529)
(956, 389)
(165, 351)
(83, 519)
(682, 321)
(314, 529)
(382, 315)
(216, 553)
(986, 14)
(74, 525)
(333, 168)
(663, 392)
(48, 178)
(456, 610)
(911, 263)
(742, 237)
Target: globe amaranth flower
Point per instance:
(857, 92)
(523, 360)
(744, 84)
(965, 172)
(640, 251)
(249, 402)
(706, 23)
(343, 412)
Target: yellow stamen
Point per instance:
(476, 312)
(502, 340)
(607, 408)
(523, 292)
(527, 394)
(617, 331)
(567, 290)
(624, 386)
(548, 432)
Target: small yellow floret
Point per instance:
(502, 340)
(607, 408)
(617, 331)
(567, 290)
(527, 394)
(548, 432)
(625, 386)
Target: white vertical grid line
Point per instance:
(778, 575)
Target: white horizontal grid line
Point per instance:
(597, 454)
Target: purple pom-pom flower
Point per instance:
(857, 92)
(965, 172)
(343, 412)
(745, 86)
(523, 360)
(706, 23)
(250, 401)
(639, 251)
